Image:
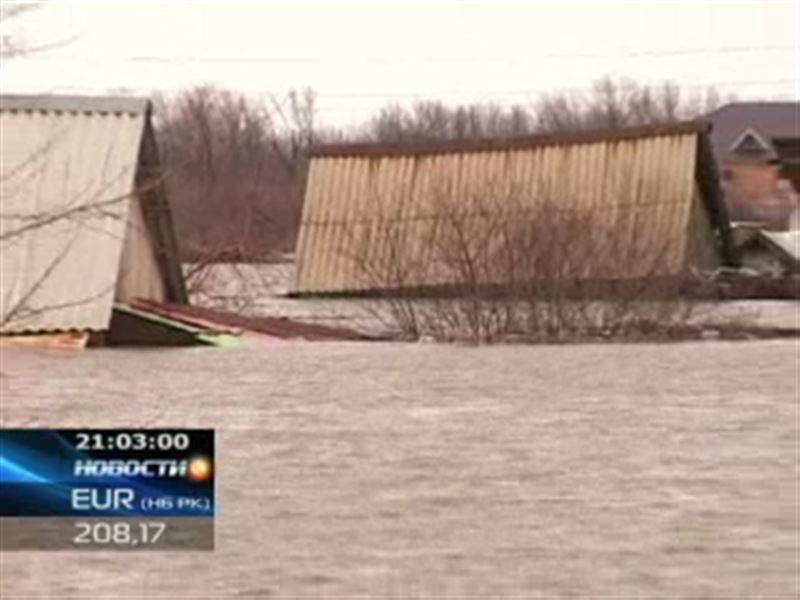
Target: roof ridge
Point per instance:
(488, 144)
(134, 105)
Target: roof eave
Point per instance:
(707, 177)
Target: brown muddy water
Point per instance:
(418, 470)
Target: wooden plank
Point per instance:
(70, 340)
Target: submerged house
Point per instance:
(757, 145)
(386, 216)
(85, 227)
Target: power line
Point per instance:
(477, 58)
(507, 92)
(424, 59)
(481, 96)
(530, 91)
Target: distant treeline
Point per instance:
(236, 166)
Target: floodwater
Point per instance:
(420, 470)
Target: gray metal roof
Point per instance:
(72, 234)
(768, 120)
(86, 104)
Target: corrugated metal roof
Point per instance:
(643, 182)
(68, 170)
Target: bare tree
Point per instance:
(294, 129)
(614, 103)
(226, 183)
(433, 120)
(609, 103)
(10, 45)
(13, 45)
(498, 264)
(237, 169)
(63, 222)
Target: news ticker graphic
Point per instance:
(107, 489)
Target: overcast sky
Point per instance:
(360, 55)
